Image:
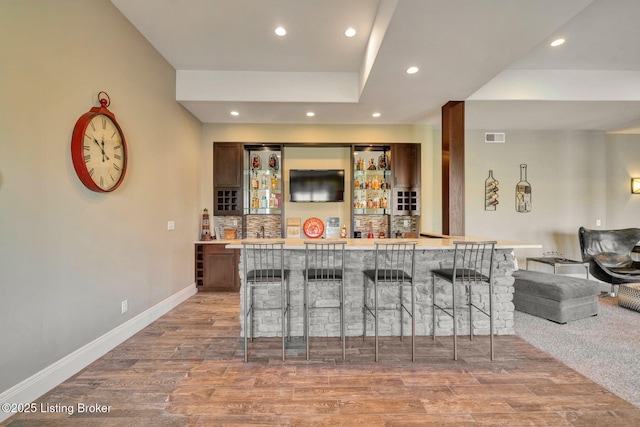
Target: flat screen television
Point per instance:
(316, 185)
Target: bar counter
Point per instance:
(430, 243)
(431, 253)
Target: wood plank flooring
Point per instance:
(186, 369)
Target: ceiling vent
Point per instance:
(494, 137)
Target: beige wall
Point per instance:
(566, 170)
(69, 256)
(623, 163)
(318, 158)
(343, 134)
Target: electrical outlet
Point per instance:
(125, 306)
(406, 222)
(598, 223)
(235, 222)
(171, 225)
(357, 223)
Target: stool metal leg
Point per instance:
(491, 317)
(364, 310)
(401, 313)
(288, 309)
(375, 316)
(413, 321)
(433, 308)
(469, 303)
(342, 320)
(246, 326)
(306, 315)
(251, 314)
(283, 311)
(455, 322)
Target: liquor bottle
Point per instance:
(523, 192)
(274, 183)
(370, 235)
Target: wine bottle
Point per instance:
(523, 192)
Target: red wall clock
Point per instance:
(98, 148)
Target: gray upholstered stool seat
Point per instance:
(558, 298)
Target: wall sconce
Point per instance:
(635, 185)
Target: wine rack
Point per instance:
(490, 193)
(407, 202)
(199, 270)
(227, 202)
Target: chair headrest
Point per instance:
(621, 242)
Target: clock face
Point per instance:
(104, 152)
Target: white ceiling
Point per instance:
(494, 54)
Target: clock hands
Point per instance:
(104, 155)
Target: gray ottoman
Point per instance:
(558, 298)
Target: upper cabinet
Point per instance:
(227, 178)
(227, 164)
(405, 162)
(406, 179)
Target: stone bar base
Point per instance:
(326, 323)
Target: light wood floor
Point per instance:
(186, 369)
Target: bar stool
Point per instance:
(394, 267)
(472, 267)
(264, 266)
(324, 267)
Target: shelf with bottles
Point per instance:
(263, 182)
(265, 202)
(372, 179)
(371, 160)
(372, 192)
(374, 202)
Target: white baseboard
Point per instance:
(38, 384)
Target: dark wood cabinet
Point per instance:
(216, 268)
(227, 178)
(405, 165)
(227, 165)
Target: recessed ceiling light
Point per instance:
(235, 113)
(310, 114)
(350, 32)
(557, 42)
(375, 115)
(412, 70)
(280, 31)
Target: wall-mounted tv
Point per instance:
(315, 185)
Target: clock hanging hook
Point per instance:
(104, 99)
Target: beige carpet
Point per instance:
(605, 348)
